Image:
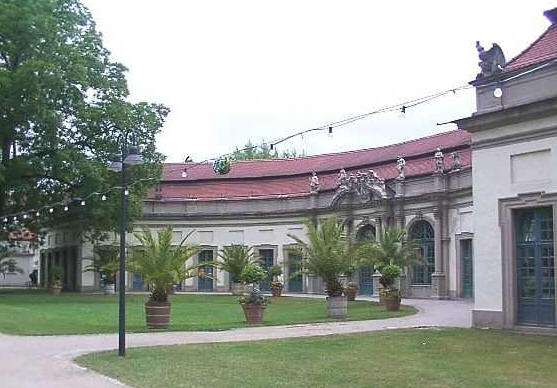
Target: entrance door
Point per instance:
(137, 282)
(467, 276)
(295, 283)
(535, 267)
(204, 280)
(266, 263)
(366, 279)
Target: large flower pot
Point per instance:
(237, 288)
(337, 307)
(109, 289)
(276, 290)
(55, 290)
(350, 293)
(157, 314)
(253, 312)
(392, 303)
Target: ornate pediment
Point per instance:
(364, 186)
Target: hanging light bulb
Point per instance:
(126, 192)
(330, 132)
(83, 203)
(66, 208)
(25, 216)
(5, 219)
(37, 214)
(103, 198)
(402, 112)
(51, 210)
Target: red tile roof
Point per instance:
(271, 178)
(542, 50)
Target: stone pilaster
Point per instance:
(438, 278)
(376, 276)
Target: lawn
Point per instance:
(397, 358)
(38, 313)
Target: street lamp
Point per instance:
(128, 156)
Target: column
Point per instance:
(438, 276)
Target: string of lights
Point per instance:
(65, 204)
(401, 107)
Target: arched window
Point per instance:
(422, 232)
(366, 232)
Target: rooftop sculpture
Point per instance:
(491, 62)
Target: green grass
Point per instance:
(38, 313)
(401, 358)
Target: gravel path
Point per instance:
(46, 361)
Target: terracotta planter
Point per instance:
(253, 312)
(337, 307)
(392, 303)
(55, 290)
(237, 288)
(350, 293)
(157, 314)
(276, 291)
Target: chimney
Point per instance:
(551, 14)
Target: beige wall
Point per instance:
(502, 172)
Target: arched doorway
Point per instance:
(365, 272)
(422, 232)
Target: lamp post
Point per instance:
(128, 156)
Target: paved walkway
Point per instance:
(46, 361)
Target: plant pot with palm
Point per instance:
(162, 264)
(105, 264)
(390, 294)
(327, 253)
(276, 284)
(350, 290)
(234, 259)
(389, 254)
(56, 275)
(8, 265)
(254, 303)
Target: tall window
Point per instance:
(366, 232)
(422, 232)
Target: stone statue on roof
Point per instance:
(439, 160)
(400, 165)
(314, 183)
(342, 178)
(456, 161)
(491, 62)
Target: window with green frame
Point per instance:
(422, 232)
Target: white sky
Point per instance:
(237, 70)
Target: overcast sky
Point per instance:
(231, 71)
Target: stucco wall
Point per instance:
(502, 172)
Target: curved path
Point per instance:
(46, 361)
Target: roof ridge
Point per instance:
(530, 46)
(247, 161)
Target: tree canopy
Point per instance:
(63, 108)
(262, 151)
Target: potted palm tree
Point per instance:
(276, 285)
(8, 265)
(350, 290)
(162, 265)
(56, 275)
(254, 303)
(329, 255)
(105, 263)
(234, 259)
(390, 253)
